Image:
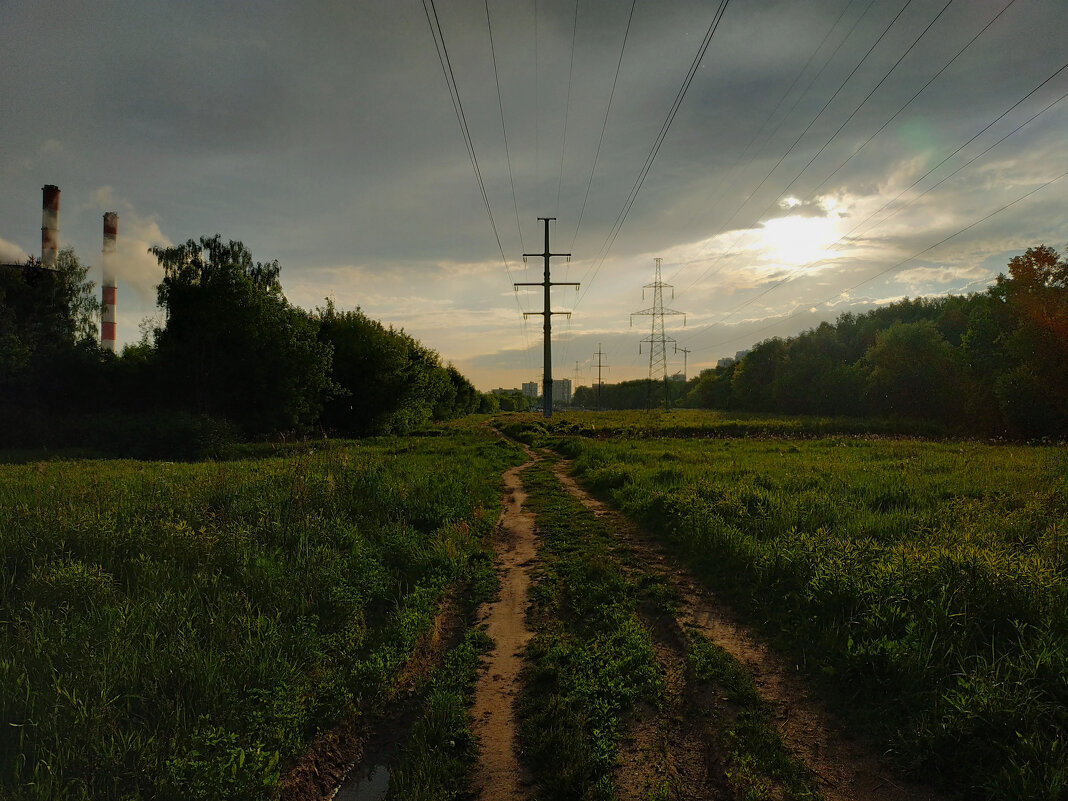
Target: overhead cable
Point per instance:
(621, 218)
(894, 266)
(504, 127)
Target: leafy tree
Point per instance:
(1032, 390)
(754, 378)
(232, 346)
(47, 328)
(389, 382)
(913, 373)
(712, 389)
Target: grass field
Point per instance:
(704, 424)
(925, 580)
(180, 631)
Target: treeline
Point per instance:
(638, 394)
(990, 363)
(232, 358)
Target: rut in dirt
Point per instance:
(846, 770)
(498, 775)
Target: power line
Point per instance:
(801, 96)
(894, 266)
(800, 136)
(931, 188)
(621, 218)
(504, 127)
(454, 93)
(863, 102)
(567, 108)
(604, 124)
(920, 91)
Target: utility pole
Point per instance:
(657, 340)
(547, 313)
(599, 355)
(685, 352)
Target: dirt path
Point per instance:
(847, 771)
(498, 775)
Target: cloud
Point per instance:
(11, 253)
(132, 264)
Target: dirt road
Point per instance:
(498, 776)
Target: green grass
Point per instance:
(759, 767)
(701, 424)
(591, 659)
(180, 631)
(435, 762)
(925, 580)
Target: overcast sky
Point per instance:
(323, 135)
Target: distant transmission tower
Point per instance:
(600, 355)
(657, 340)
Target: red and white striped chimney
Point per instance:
(108, 288)
(49, 226)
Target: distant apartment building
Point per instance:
(561, 390)
(530, 389)
(726, 361)
(741, 355)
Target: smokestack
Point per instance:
(49, 226)
(108, 288)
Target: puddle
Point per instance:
(371, 786)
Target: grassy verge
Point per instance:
(591, 659)
(183, 630)
(434, 764)
(926, 581)
(759, 767)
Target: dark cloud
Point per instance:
(322, 134)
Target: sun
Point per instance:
(797, 240)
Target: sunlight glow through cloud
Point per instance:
(798, 240)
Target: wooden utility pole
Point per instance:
(547, 313)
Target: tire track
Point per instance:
(846, 769)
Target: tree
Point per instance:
(47, 329)
(232, 346)
(912, 372)
(389, 382)
(1032, 389)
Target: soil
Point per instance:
(498, 775)
(847, 769)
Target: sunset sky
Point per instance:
(827, 156)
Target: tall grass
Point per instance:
(705, 424)
(927, 580)
(183, 630)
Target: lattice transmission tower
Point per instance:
(657, 339)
